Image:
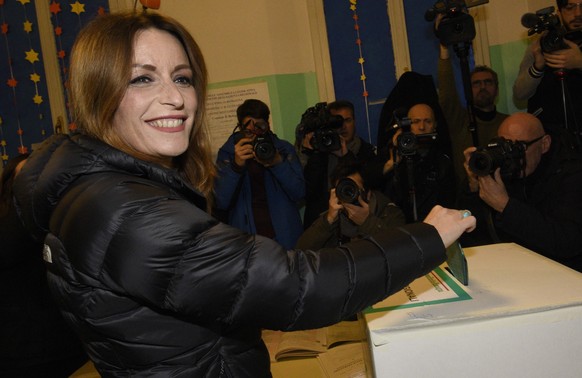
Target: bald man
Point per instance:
(541, 208)
(419, 181)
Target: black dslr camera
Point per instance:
(325, 128)
(546, 20)
(408, 143)
(263, 143)
(347, 191)
(499, 153)
(457, 26)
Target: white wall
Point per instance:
(253, 38)
(504, 18)
(241, 39)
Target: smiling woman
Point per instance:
(149, 280)
(156, 114)
(154, 72)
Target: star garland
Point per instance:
(17, 109)
(66, 29)
(25, 117)
(361, 61)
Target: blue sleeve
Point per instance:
(289, 173)
(227, 179)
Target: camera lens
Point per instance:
(481, 163)
(264, 149)
(347, 191)
(499, 153)
(407, 143)
(326, 141)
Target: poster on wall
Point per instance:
(221, 109)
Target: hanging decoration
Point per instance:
(23, 91)
(67, 21)
(149, 4)
(25, 115)
(361, 61)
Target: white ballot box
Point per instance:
(520, 316)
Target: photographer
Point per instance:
(320, 162)
(542, 74)
(416, 171)
(533, 198)
(353, 211)
(260, 183)
(485, 89)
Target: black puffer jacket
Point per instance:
(157, 287)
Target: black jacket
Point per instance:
(561, 111)
(35, 341)
(543, 212)
(317, 172)
(155, 286)
(429, 175)
(384, 215)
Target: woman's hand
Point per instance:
(450, 223)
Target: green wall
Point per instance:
(505, 60)
(290, 96)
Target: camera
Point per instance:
(347, 191)
(499, 153)
(546, 20)
(457, 26)
(263, 144)
(408, 143)
(325, 128)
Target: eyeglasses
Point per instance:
(572, 6)
(527, 144)
(486, 82)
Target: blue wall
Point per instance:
(378, 53)
(376, 50)
(25, 115)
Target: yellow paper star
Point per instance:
(77, 7)
(35, 77)
(27, 26)
(4, 157)
(24, 1)
(3, 143)
(32, 56)
(363, 77)
(361, 60)
(352, 7)
(37, 99)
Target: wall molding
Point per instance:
(52, 69)
(397, 19)
(320, 47)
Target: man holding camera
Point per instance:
(353, 211)
(320, 162)
(417, 173)
(551, 81)
(485, 88)
(260, 181)
(533, 198)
